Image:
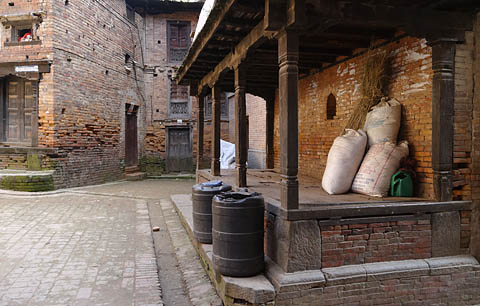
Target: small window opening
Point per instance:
(331, 107)
(66, 2)
(106, 72)
(127, 58)
(159, 41)
(24, 34)
(11, 4)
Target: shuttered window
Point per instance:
(179, 101)
(223, 106)
(18, 111)
(178, 40)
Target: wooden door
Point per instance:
(20, 110)
(131, 146)
(179, 150)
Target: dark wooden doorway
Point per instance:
(131, 145)
(179, 149)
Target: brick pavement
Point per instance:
(89, 246)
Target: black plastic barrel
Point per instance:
(238, 233)
(202, 195)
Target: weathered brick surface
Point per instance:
(82, 100)
(457, 287)
(410, 83)
(375, 242)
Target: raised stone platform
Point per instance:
(439, 280)
(255, 290)
(22, 180)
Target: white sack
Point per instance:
(383, 122)
(227, 155)
(343, 161)
(378, 167)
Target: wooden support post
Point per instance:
(200, 125)
(270, 115)
(288, 98)
(216, 124)
(241, 148)
(443, 63)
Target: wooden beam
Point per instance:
(241, 147)
(288, 42)
(443, 64)
(200, 125)
(235, 57)
(216, 101)
(200, 43)
(416, 21)
(275, 14)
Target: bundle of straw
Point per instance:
(372, 85)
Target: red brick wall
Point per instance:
(411, 80)
(375, 242)
(92, 87)
(256, 112)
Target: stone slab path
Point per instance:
(88, 246)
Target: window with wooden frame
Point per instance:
(178, 34)
(223, 106)
(179, 101)
(18, 111)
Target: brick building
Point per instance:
(87, 89)
(72, 89)
(306, 59)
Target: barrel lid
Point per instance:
(212, 183)
(211, 187)
(237, 197)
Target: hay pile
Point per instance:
(372, 89)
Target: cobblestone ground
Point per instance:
(76, 250)
(90, 246)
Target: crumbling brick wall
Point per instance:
(410, 83)
(91, 88)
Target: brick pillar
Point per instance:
(216, 100)
(443, 64)
(241, 148)
(288, 98)
(200, 125)
(270, 115)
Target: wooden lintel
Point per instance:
(235, 57)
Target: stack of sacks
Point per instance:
(383, 157)
(343, 161)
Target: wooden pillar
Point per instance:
(216, 101)
(200, 125)
(241, 148)
(443, 63)
(288, 98)
(270, 115)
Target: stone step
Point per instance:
(135, 176)
(131, 169)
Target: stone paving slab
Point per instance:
(76, 249)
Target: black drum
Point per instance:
(238, 225)
(202, 195)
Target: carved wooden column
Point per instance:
(288, 98)
(216, 101)
(443, 63)
(200, 125)
(270, 115)
(241, 148)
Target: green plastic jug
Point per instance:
(401, 185)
